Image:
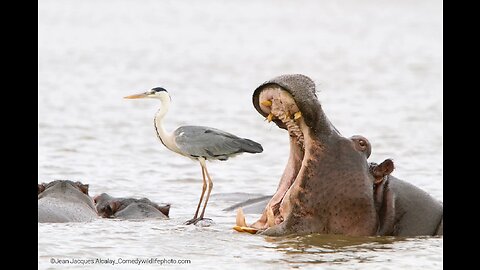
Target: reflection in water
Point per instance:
(319, 248)
(337, 249)
(330, 242)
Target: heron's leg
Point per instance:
(194, 219)
(210, 187)
(203, 192)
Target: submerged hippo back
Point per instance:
(129, 208)
(63, 201)
(58, 210)
(139, 211)
(417, 212)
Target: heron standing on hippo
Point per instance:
(328, 185)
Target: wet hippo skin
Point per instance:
(129, 208)
(404, 209)
(328, 185)
(65, 201)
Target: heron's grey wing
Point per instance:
(211, 143)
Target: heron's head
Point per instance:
(157, 92)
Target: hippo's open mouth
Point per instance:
(327, 183)
(279, 106)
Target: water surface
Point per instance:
(377, 64)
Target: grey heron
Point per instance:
(197, 142)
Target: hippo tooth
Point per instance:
(285, 116)
(240, 219)
(250, 230)
(270, 217)
(297, 115)
(269, 117)
(267, 103)
(238, 228)
(245, 229)
(241, 224)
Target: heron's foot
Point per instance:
(190, 221)
(203, 222)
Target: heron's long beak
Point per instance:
(142, 95)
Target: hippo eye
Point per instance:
(362, 143)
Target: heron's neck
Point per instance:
(165, 137)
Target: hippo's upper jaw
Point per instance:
(326, 187)
(279, 106)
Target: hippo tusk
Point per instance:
(297, 115)
(270, 117)
(240, 220)
(270, 217)
(241, 225)
(267, 103)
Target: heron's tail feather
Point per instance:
(250, 146)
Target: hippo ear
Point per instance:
(114, 205)
(83, 187)
(383, 169)
(96, 199)
(165, 209)
(41, 188)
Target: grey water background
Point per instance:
(378, 66)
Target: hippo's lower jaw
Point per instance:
(281, 108)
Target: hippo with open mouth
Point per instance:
(328, 185)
